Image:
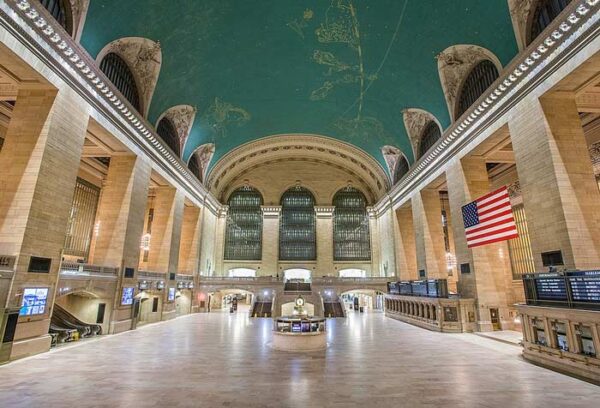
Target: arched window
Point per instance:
(478, 81)
(167, 132)
(194, 166)
(402, 168)
(243, 237)
(430, 135)
(118, 72)
(297, 230)
(61, 11)
(545, 11)
(351, 239)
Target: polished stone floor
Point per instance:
(222, 360)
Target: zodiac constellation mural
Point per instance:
(220, 115)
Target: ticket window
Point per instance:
(562, 341)
(539, 332)
(586, 340)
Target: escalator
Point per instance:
(65, 327)
(333, 309)
(262, 309)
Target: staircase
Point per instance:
(262, 309)
(333, 309)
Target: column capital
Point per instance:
(323, 211)
(222, 211)
(271, 211)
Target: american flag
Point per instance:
(489, 219)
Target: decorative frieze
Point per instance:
(415, 121)
(391, 155)
(182, 117)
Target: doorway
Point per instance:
(495, 317)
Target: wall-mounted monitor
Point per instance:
(127, 297)
(171, 296)
(34, 301)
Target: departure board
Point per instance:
(419, 288)
(405, 288)
(551, 287)
(585, 286)
(432, 288)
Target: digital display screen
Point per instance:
(34, 301)
(585, 286)
(171, 296)
(127, 298)
(405, 288)
(551, 289)
(296, 327)
(432, 289)
(419, 288)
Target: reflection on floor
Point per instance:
(218, 359)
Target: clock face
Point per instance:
(299, 302)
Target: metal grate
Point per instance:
(194, 166)
(402, 168)
(431, 134)
(81, 220)
(351, 239)
(297, 230)
(243, 237)
(61, 12)
(166, 130)
(117, 70)
(478, 81)
(545, 11)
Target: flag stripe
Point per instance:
(489, 219)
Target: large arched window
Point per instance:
(61, 11)
(402, 168)
(297, 230)
(194, 166)
(351, 240)
(167, 132)
(243, 237)
(118, 72)
(430, 135)
(545, 11)
(478, 81)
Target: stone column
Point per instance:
(120, 224)
(467, 180)
(270, 240)
(221, 226)
(429, 235)
(559, 190)
(189, 250)
(324, 218)
(39, 161)
(377, 269)
(406, 259)
(165, 241)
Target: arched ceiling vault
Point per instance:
(342, 68)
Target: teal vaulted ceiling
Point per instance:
(339, 68)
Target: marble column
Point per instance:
(324, 219)
(270, 240)
(39, 161)
(560, 193)
(219, 247)
(429, 235)
(467, 180)
(406, 258)
(189, 249)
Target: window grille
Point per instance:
(81, 219)
(545, 11)
(430, 135)
(118, 72)
(194, 166)
(297, 229)
(521, 256)
(402, 168)
(243, 237)
(167, 132)
(351, 239)
(61, 12)
(478, 81)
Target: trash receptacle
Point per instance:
(362, 309)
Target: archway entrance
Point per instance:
(363, 300)
(232, 300)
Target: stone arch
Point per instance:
(182, 117)
(144, 58)
(391, 155)
(415, 121)
(454, 65)
(203, 155)
(522, 13)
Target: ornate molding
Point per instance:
(144, 58)
(519, 14)
(415, 121)
(204, 154)
(594, 150)
(79, 10)
(182, 117)
(324, 212)
(391, 155)
(455, 63)
(271, 211)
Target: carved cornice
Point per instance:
(324, 211)
(576, 27)
(32, 26)
(271, 211)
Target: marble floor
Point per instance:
(223, 360)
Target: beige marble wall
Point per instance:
(406, 260)
(189, 249)
(429, 235)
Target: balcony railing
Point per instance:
(79, 269)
